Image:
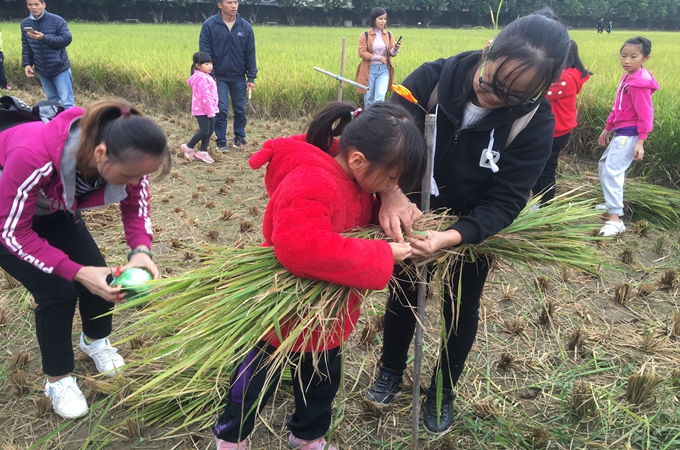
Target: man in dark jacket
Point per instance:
(44, 38)
(229, 39)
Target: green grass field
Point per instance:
(150, 63)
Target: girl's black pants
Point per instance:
(56, 297)
(254, 381)
(400, 320)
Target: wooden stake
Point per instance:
(342, 68)
(430, 123)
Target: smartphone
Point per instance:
(27, 29)
(399, 39)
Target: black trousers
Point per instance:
(206, 127)
(56, 297)
(314, 392)
(400, 321)
(546, 182)
(3, 77)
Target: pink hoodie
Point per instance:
(633, 103)
(204, 98)
(37, 177)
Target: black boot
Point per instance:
(386, 388)
(438, 422)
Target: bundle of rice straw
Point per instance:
(200, 324)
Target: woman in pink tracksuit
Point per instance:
(631, 120)
(81, 159)
(204, 101)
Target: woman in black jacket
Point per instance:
(482, 172)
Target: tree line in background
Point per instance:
(650, 14)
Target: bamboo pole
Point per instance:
(422, 285)
(338, 77)
(342, 67)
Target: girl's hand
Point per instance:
(382, 59)
(396, 210)
(398, 46)
(639, 151)
(400, 251)
(143, 261)
(604, 138)
(424, 247)
(94, 280)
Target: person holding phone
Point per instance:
(44, 38)
(376, 49)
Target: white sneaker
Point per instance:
(105, 357)
(67, 400)
(612, 228)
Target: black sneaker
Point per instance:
(386, 388)
(438, 422)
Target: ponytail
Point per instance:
(329, 123)
(123, 129)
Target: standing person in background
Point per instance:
(376, 49)
(204, 102)
(562, 96)
(479, 177)
(610, 27)
(44, 38)
(3, 77)
(230, 41)
(600, 25)
(631, 120)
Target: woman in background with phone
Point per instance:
(376, 49)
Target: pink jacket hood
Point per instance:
(204, 98)
(37, 177)
(633, 103)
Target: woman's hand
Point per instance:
(604, 138)
(425, 246)
(382, 59)
(639, 151)
(94, 280)
(400, 251)
(143, 261)
(396, 210)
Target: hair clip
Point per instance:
(355, 113)
(125, 113)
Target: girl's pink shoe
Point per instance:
(317, 444)
(204, 156)
(188, 152)
(224, 445)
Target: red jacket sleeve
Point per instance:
(306, 243)
(22, 178)
(134, 210)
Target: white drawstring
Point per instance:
(434, 189)
(489, 155)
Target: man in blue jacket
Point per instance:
(229, 39)
(44, 38)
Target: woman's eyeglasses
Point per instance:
(510, 99)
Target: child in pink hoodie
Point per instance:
(203, 105)
(631, 120)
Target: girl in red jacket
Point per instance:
(319, 188)
(81, 159)
(562, 96)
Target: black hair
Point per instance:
(200, 58)
(374, 14)
(537, 42)
(385, 133)
(124, 130)
(644, 44)
(574, 61)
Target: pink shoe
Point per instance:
(204, 156)
(224, 445)
(188, 152)
(301, 444)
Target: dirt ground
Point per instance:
(515, 393)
